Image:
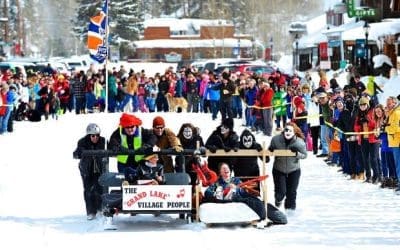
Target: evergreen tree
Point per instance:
(126, 17)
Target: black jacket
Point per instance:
(89, 165)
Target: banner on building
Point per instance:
(323, 51)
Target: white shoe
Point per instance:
(91, 217)
(109, 224)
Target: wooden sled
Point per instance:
(232, 213)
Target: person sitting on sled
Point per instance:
(227, 189)
(129, 136)
(150, 171)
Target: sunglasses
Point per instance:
(131, 127)
(159, 127)
(287, 130)
(95, 136)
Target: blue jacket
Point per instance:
(212, 94)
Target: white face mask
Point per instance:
(187, 133)
(224, 130)
(247, 141)
(288, 132)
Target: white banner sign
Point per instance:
(157, 197)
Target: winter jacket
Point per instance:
(217, 141)
(168, 139)
(222, 185)
(368, 126)
(288, 164)
(248, 165)
(393, 127)
(279, 103)
(3, 103)
(120, 141)
(210, 93)
(148, 172)
(89, 165)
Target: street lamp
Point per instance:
(296, 39)
(366, 28)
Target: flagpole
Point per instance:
(106, 61)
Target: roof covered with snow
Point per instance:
(190, 25)
(191, 43)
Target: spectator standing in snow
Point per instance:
(393, 131)
(91, 167)
(286, 169)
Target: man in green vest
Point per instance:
(129, 136)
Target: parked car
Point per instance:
(264, 71)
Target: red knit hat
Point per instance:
(298, 101)
(158, 121)
(128, 120)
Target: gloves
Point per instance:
(293, 149)
(227, 149)
(271, 149)
(178, 148)
(258, 147)
(76, 155)
(147, 150)
(363, 119)
(235, 149)
(212, 148)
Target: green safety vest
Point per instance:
(137, 143)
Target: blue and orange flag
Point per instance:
(96, 41)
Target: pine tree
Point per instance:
(127, 18)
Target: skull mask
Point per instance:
(288, 132)
(247, 141)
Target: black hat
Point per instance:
(228, 122)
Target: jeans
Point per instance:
(396, 156)
(387, 164)
(370, 153)
(324, 135)
(250, 117)
(214, 108)
(237, 107)
(268, 122)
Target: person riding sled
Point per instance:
(129, 136)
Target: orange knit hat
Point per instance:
(128, 120)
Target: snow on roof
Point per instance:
(351, 30)
(187, 43)
(184, 24)
(384, 28)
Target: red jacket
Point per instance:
(266, 98)
(3, 103)
(369, 127)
